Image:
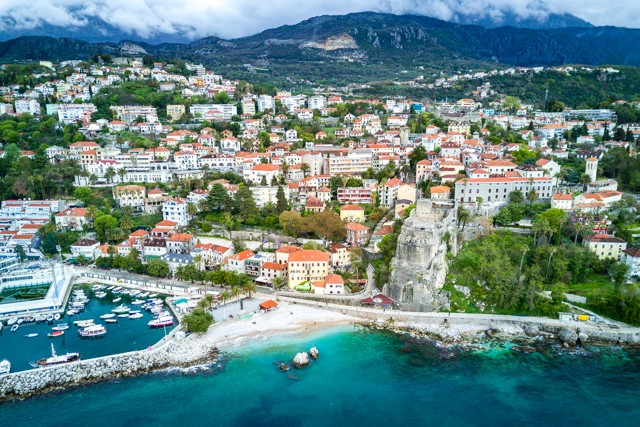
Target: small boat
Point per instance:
(49, 317)
(144, 295)
(121, 309)
(56, 317)
(56, 360)
(11, 321)
(83, 323)
(111, 320)
(41, 318)
(92, 331)
(20, 320)
(136, 316)
(60, 327)
(123, 315)
(161, 322)
(5, 367)
(101, 295)
(15, 327)
(54, 334)
(138, 302)
(32, 335)
(153, 295)
(110, 288)
(117, 300)
(108, 316)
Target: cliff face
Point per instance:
(419, 267)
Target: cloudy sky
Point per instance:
(237, 18)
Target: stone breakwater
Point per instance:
(185, 353)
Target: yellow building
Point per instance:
(606, 246)
(307, 266)
(174, 112)
(352, 213)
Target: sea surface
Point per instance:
(362, 378)
(126, 335)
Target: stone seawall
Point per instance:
(173, 353)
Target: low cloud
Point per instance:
(238, 18)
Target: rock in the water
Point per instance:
(314, 352)
(284, 367)
(301, 360)
(568, 337)
(582, 337)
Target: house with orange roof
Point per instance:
(237, 262)
(333, 284)
(72, 218)
(562, 201)
(271, 270)
(307, 265)
(440, 192)
(357, 234)
(352, 213)
(180, 243)
(283, 252)
(314, 204)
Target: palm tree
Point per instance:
(250, 288)
(85, 174)
(91, 213)
(192, 209)
(464, 216)
(93, 178)
(203, 205)
(197, 261)
(109, 173)
(126, 223)
(225, 296)
(532, 196)
(236, 291)
(208, 301)
(278, 282)
(121, 173)
(585, 180)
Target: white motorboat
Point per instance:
(110, 288)
(83, 323)
(161, 321)
(111, 320)
(20, 320)
(101, 295)
(138, 302)
(117, 300)
(123, 315)
(61, 327)
(92, 331)
(32, 335)
(121, 309)
(41, 318)
(11, 321)
(5, 367)
(144, 295)
(72, 312)
(56, 317)
(136, 316)
(153, 295)
(108, 316)
(56, 360)
(49, 317)
(15, 327)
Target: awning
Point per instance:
(268, 304)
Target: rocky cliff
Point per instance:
(419, 267)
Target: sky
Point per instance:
(238, 18)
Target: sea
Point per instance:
(126, 335)
(363, 377)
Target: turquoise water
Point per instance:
(126, 335)
(363, 377)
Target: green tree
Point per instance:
(198, 321)
(218, 199)
(157, 268)
(291, 223)
(103, 224)
(281, 201)
(244, 205)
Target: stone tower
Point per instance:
(592, 168)
(419, 267)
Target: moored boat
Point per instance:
(83, 323)
(15, 327)
(49, 317)
(56, 317)
(111, 320)
(32, 335)
(108, 316)
(161, 322)
(121, 309)
(11, 321)
(117, 300)
(136, 316)
(56, 360)
(138, 302)
(5, 367)
(54, 334)
(92, 331)
(60, 327)
(101, 295)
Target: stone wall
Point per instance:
(170, 354)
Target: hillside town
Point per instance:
(314, 180)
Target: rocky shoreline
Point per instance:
(173, 354)
(569, 337)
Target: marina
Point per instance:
(93, 330)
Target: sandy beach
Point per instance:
(286, 318)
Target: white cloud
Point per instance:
(237, 18)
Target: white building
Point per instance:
(28, 106)
(71, 113)
(176, 210)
